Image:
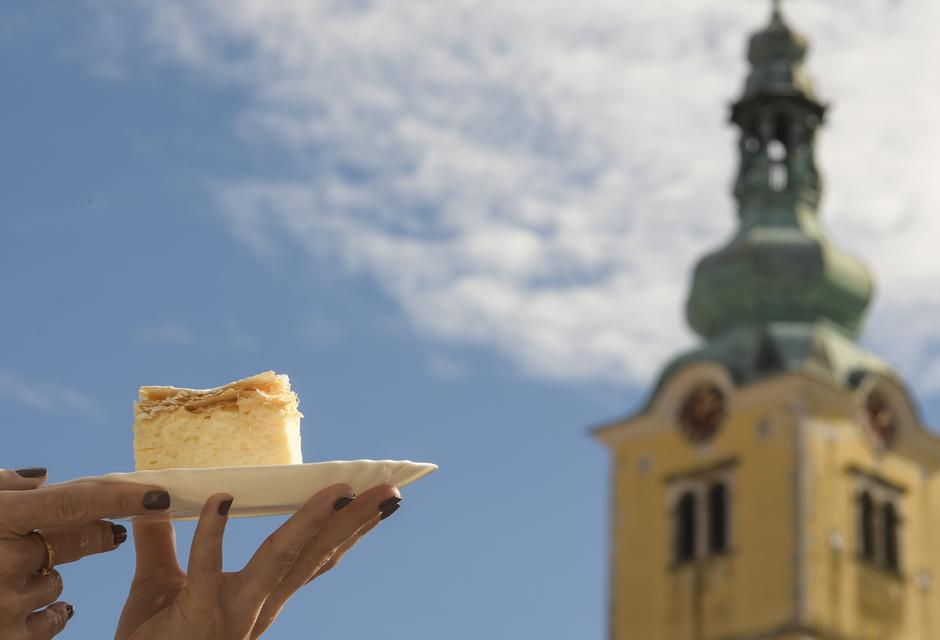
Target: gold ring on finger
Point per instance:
(50, 554)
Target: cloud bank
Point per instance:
(540, 177)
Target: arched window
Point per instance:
(717, 518)
(685, 527)
(890, 522)
(866, 510)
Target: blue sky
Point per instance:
(465, 232)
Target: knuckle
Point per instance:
(100, 536)
(212, 537)
(53, 585)
(58, 619)
(72, 507)
(128, 502)
(280, 549)
(283, 555)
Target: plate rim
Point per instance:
(429, 467)
(417, 470)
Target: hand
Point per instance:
(68, 518)
(209, 604)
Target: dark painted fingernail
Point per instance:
(224, 506)
(342, 502)
(388, 503)
(387, 512)
(69, 610)
(32, 472)
(388, 506)
(156, 500)
(119, 532)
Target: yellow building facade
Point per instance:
(779, 483)
(795, 455)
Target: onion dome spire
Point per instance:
(779, 296)
(779, 267)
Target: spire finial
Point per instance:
(776, 7)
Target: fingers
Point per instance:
(70, 543)
(348, 526)
(28, 478)
(48, 622)
(346, 546)
(205, 556)
(67, 504)
(277, 554)
(329, 545)
(40, 590)
(155, 546)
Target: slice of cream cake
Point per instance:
(250, 421)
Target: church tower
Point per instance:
(779, 483)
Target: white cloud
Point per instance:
(541, 176)
(47, 397)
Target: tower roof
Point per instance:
(780, 295)
(776, 41)
(776, 54)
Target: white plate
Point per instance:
(267, 490)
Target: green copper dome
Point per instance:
(786, 272)
(779, 266)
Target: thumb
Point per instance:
(155, 543)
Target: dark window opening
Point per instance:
(781, 128)
(717, 518)
(685, 528)
(891, 520)
(867, 526)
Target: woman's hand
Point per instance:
(67, 518)
(208, 604)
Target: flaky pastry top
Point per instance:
(267, 386)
